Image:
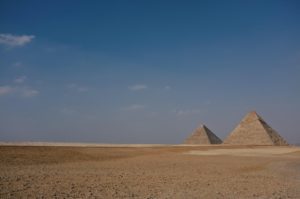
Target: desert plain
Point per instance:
(149, 171)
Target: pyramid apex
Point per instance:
(252, 115)
(202, 126)
(253, 112)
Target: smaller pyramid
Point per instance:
(253, 130)
(202, 135)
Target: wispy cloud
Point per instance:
(137, 87)
(15, 40)
(21, 91)
(20, 79)
(168, 87)
(17, 64)
(133, 107)
(77, 88)
(4, 90)
(28, 92)
(18, 89)
(181, 113)
(82, 89)
(68, 111)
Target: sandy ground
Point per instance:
(78, 144)
(247, 151)
(149, 172)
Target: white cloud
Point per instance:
(137, 87)
(14, 40)
(4, 90)
(133, 107)
(187, 112)
(20, 79)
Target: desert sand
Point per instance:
(149, 171)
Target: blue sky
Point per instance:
(146, 71)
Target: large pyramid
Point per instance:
(203, 135)
(253, 130)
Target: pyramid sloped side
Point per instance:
(199, 136)
(213, 138)
(274, 136)
(249, 133)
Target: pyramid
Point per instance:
(253, 130)
(203, 135)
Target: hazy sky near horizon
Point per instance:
(146, 71)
